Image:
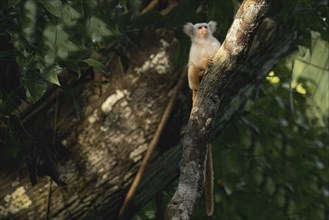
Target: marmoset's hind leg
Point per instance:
(194, 76)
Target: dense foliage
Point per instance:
(272, 161)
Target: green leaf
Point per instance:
(34, 84)
(313, 65)
(99, 30)
(54, 7)
(29, 19)
(50, 74)
(57, 43)
(70, 16)
(95, 64)
(12, 3)
(24, 63)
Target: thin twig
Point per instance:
(48, 199)
(291, 98)
(153, 144)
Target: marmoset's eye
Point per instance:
(206, 27)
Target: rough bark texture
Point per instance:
(202, 119)
(104, 148)
(101, 152)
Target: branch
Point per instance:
(155, 140)
(233, 52)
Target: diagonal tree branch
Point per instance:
(233, 52)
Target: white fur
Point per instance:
(204, 47)
(201, 48)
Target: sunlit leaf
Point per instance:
(300, 89)
(78, 6)
(57, 43)
(50, 74)
(99, 30)
(313, 65)
(29, 19)
(54, 7)
(70, 15)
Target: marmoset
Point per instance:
(204, 47)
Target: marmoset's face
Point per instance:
(203, 31)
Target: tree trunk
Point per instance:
(230, 55)
(97, 156)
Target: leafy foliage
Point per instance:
(46, 37)
(40, 39)
(271, 163)
(311, 70)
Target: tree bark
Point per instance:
(202, 119)
(98, 155)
